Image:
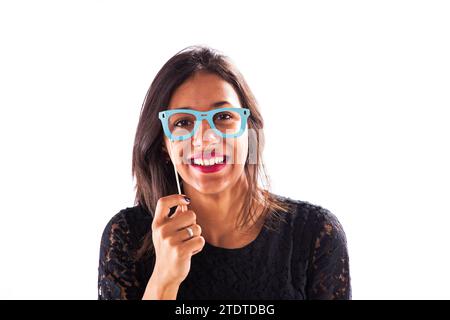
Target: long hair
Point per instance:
(155, 178)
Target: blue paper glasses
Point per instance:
(182, 124)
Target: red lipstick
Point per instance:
(205, 157)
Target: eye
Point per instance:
(223, 116)
(182, 123)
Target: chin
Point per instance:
(212, 183)
(208, 187)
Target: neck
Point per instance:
(217, 213)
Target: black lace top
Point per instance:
(307, 258)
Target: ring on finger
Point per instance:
(191, 233)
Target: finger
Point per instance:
(182, 220)
(165, 203)
(183, 234)
(177, 211)
(195, 244)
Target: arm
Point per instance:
(156, 291)
(328, 271)
(117, 277)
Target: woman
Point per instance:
(225, 236)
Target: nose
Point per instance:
(204, 134)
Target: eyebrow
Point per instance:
(214, 105)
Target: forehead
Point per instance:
(202, 90)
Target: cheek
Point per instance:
(241, 149)
(178, 150)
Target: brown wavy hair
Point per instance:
(155, 178)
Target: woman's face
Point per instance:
(201, 92)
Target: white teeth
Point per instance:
(208, 162)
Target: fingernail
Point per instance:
(187, 199)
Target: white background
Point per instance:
(355, 96)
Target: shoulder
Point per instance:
(127, 225)
(305, 210)
(313, 220)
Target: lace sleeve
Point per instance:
(329, 276)
(117, 269)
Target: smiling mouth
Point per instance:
(211, 165)
(212, 161)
